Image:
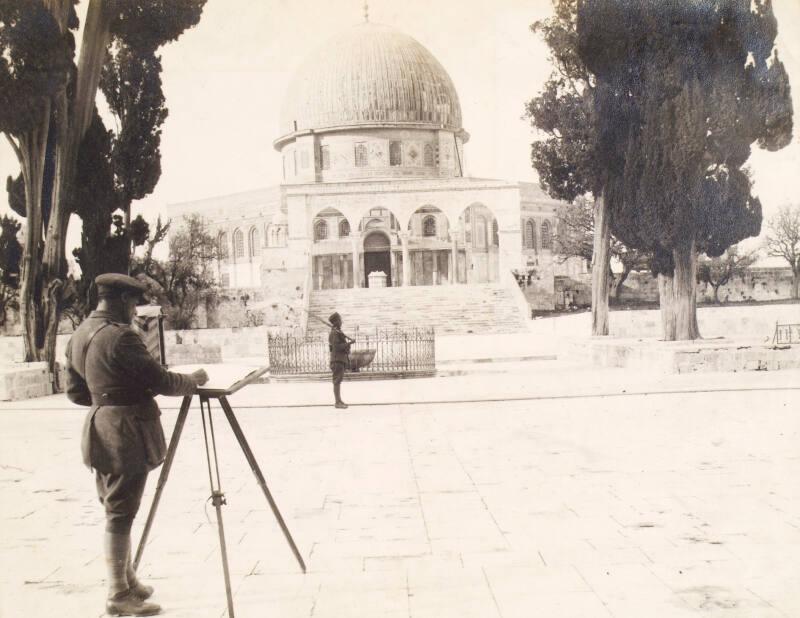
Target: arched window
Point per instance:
(428, 155)
(547, 237)
(361, 154)
(254, 243)
(495, 234)
(530, 234)
(376, 241)
(222, 246)
(280, 236)
(344, 228)
(429, 226)
(238, 244)
(395, 153)
(320, 230)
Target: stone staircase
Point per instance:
(451, 310)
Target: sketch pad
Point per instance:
(223, 379)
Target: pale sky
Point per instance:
(225, 79)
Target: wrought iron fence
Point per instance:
(396, 352)
(786, 334)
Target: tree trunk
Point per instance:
(616, 287)
(32, 152)
(716, 293)
(73, 120)
(685, 298)
(44, 278)
(130, 247)
(600, 257)
(796, 284)
(666, 302)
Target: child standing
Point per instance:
(339, 346)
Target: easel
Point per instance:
(217, 495)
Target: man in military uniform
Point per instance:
(339, 346)
(110, 370)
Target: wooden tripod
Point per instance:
(217, 495)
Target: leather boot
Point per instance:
(116, 548)
(128, 604)
(337, 396)
(141, 590)
(122, 599)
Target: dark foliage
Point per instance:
(565, 160)
(15, 187)
(34, 62)
(683, 90)
(718, 271)
(145, 25)
(186, 280)
(131, 83)
(10, 255)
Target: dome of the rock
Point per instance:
(370, 76)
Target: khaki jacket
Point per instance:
(110, 370)
(339, 347)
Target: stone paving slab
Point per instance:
(520, 381)
(682, 504)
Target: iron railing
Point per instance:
(397, 352)
(786, 334)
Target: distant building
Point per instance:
(372, 148)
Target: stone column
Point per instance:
(356, 269)
(454, 256)
(392, 265)
(406, 262)
(468, 261)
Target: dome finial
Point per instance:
(366, 12)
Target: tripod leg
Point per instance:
(162, 478)
(219, 500)
(251, 459)
(217, 496)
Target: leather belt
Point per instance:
(120, 399)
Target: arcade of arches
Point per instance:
(430, 251)
(375, 189)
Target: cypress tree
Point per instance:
(683, 91)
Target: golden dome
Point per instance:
(370, 76)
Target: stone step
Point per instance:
(481, 308)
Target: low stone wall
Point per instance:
(12, 350)
(215, 345)
(639, 287)
(211, 345)
(276, 304)
(193, 353)
(680, 357)
(20, 381)
(730, 321)
(745, 321)
(757, 284)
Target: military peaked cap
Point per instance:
(114, 283)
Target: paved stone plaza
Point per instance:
(587, 499)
